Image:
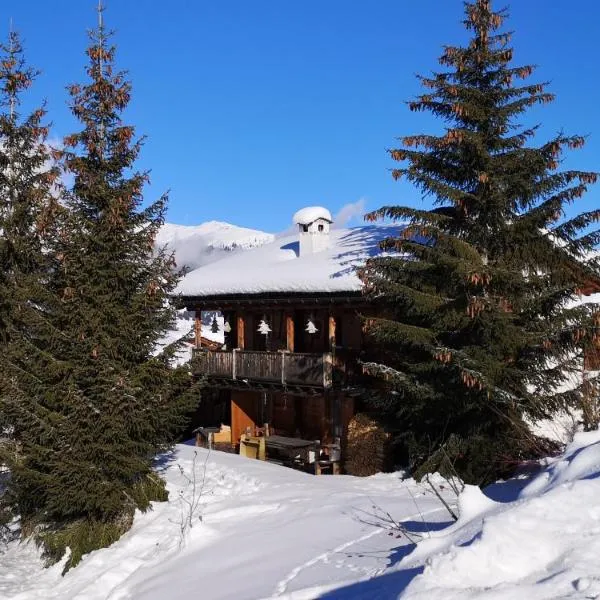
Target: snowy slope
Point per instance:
(264, 531)
(200, 244)
(259, 531)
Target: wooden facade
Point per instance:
(320, 417)
(297, 380)
(592, 357)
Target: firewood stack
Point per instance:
(367, 450)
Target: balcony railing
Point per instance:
(282, 368)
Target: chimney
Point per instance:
(313, 224)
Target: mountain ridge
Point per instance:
(197, 245)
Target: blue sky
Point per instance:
(254, 109)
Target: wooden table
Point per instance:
(281, 442)
(289, 448)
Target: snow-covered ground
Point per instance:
(253, 530)
(259, 531)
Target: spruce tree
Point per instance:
(106, 403)
(214, 326)
(28, 210)
(26, 182)
(481, 331)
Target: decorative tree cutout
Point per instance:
(263, 327)
(310, 326)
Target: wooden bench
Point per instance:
(322, 466)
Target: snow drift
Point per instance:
(543, 544)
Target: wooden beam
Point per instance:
(332, 328)
(241, 332)
(272, 300)
(198, 329)
(289, 326)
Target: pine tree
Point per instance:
(214, 326)
(106, 405)
(481, 330)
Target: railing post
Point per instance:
(327, 370)
(332, 329)
(234, 354)
(283, 367)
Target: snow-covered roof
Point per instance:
(310, 214)
(278, 268)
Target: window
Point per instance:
(321, 227)
(305, 228)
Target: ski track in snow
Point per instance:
(282, 586)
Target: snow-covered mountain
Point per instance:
(198, 245)
(195, 246)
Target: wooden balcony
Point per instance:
(280, 369)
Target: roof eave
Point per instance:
(219, 301)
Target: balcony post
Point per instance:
(198, 329)
(327, 370)
(234, 355)
(241, 332)
(289, 328)
(332, 328)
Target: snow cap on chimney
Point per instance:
(313, 223)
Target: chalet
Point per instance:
(591, 294)
(292, 309)
(292, 330)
